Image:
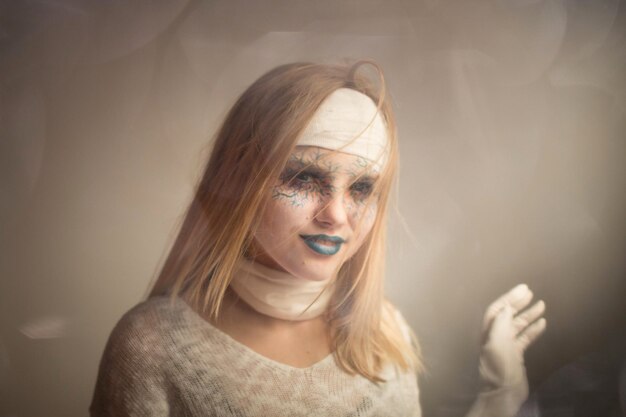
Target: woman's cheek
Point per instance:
(294, 211)
(290, 196)
(362, 212)
(363, 223)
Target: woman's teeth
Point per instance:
(322, 244)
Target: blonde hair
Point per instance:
(250, 151)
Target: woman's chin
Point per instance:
(315, 273)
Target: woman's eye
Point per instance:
(362, 189)
(303, 177)
(304, 181)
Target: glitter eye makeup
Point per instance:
(307, 180)
(362, 189)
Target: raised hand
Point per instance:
(509, 327)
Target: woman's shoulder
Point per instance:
(393, 315)
(131, 376)
(154, 313)
(151, 315)
(145, 327)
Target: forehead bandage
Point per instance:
(348, 121)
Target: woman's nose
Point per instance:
(332, 210)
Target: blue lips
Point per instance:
(323, 244)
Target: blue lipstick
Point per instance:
(323, 244)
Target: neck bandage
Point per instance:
(279, 294)
(349, 121)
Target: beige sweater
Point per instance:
(164, 359)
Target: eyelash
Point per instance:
(306, 181)
(303, 181)
(362, 188)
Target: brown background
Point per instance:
(511, 120)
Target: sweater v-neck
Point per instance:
(246, 350)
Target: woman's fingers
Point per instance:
(518, 298)
(531, 333)
(501, 331)
(529, 316)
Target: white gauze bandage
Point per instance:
(349, 121)
(279, 294)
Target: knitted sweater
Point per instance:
(162, 359)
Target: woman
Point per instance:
(271, 299)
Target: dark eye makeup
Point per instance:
(306, 180)
(363, 187)
(294, 175)
(312, 179)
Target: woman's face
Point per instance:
(319, 213)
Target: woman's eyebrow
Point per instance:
(294, 168)
(371, 178)
(315, 166)
(318, 167)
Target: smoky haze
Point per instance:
(511, 119)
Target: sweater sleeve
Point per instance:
(130, 378)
